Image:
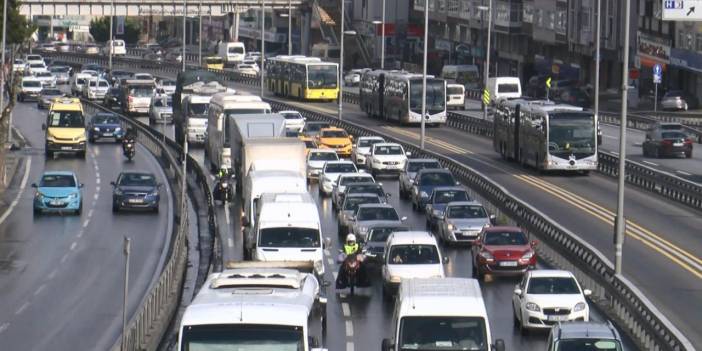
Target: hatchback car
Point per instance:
(434, 209)
(316, 158)
(410, 255)
(346, 180)
(336, 139)
(294, 122)
(58, 192)
(330, 173)
(135, 190)
(105, 125)
(361, 148)
(545, 298)
(678, 100)
(47, 96)
(584, 336)
(366, 188)
(161, 109)
(462, 222)
(371, 214)
(662, 142)
(347, 210)
(412, 166)
(503, 251)
(374, 246)
(424, 183)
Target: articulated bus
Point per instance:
(397, 95)
(304, 78)
(546, 135)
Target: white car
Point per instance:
(166, 86)
(144, 76)
(547, 297)
(95, 89)
(316, 158)
(253, 55)
(18, 65)
(361, 148)
(29, 59)
(329, 176)
(354, 76)
(92, 49)
(30, 89)
(386, 158)
(246, 69)
(413, 254)
(294, 122)
(90, 73)
(48, 47)
(344, 180)
(47, 79)
(34, 67)
(253, 63)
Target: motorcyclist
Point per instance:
(129, 137)
(351, 248)
(222, 174)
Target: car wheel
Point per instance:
(644, 152)
(428, 225)
(115, 207)
(156, 209)
(516, 323)
(80, 209)
(37, 211)
(688, 154)
(81, 154)
(49, 154)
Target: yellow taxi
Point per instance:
(214, 62)
(310, 143)
(337, 139)
(65, 127)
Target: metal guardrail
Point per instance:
(618, 297)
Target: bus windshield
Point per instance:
(321, 76)
(443, 333)
(215, 337)
(436, 96)
(571, 133)
(198, 109)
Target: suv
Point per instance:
(584, 336)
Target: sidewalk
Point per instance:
(10, 183)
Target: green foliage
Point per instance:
(18, 29)
(100, 30)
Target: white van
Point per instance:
(271, 181)
(118, 47)
(413, 254)
(441, 313)
(504, 88)
(455, 96)
(231, 52)
(288, 229)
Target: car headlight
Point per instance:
(39, 195)
(450, 226)
(528, 255)
(73, 196)
(579, 307)
(96, 129)
(423, 194)
(118, 191)
(486, 255)
(530, 306)
(395, 279)
(118, 129)
(155, 193)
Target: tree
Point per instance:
(100, 30)
(18, 29)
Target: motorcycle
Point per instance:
(223, 189)
(353, 273)
(128, 148)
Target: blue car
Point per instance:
(424, 183)
(105, 125)
(439, 198)
(58, 192)
(135, 190)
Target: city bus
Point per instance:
(546, 135)
(397, 95)
(304, 78)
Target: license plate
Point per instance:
(136, 201)
(557, 318)
(677, 144)
(56, 203)
(66, 148)
(107, 134)
(508, 264)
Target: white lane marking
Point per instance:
(650, 163)
(230, 242)
(22, 308)
(23, 184)
(85, 224)
(39, 289)
(609, 137)
(80, 234)
(684, 173)
(4, 326)
(349, 346)
(346, 309)
(349, 328)
(73, 246)
(97, 181)
(52, 274)
(90, 213)
(64, 258)
(97, 189)
(226, 213)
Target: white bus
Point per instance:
(397, 95)
(546, 135)
(217, 149)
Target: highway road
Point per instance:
(61, 277)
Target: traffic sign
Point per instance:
(657, 73)
(548, 82)
(682, 10)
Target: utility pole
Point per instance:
(340, 98)
(620, 220)
(424, 76)
(112, 44)
(182, 58)
(289, 27)
(597, 60)
(263, 43)
(199, 34)
(382, 36)
(127, 247)
(3, 74)
(487, 55)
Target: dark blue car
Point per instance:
(135, 190)
(105, 125)
(439, 198)
(424, 183)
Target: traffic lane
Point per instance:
(75, 258)
(690, 169)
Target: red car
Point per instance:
(503, 250)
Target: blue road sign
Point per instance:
(657, 73)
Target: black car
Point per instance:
(105, 125)
(367, 188)
(135, 190)
(115, 76)
(112, 98)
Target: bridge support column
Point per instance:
(305, 23)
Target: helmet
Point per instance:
(350, 238)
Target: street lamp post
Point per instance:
(182, 57)
(487, 51)
(289, 27)
(263, 42)
(382, 46)
(127, 247)
(4, 72)
(424, 75)
(597, 61)
(340, 98)
(112, 44)
(199, 34)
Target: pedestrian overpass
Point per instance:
(147, 7)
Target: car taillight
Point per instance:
(688, 141)
(667, 142)
(130, 99)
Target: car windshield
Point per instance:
(323, 156)
(334, 134)
(246, 111)
(436, 179)
(310, 144)
(289, 237)
(352, 203)
(93, 83)
(377, 214)
(31, 84)
(36, 65)
(339, 168)
(136, 179)
(552, 285)
(105, 119)
(236, 50)
(43, 74)
(242, 337)
(292, 115)
(571, 133)
(142, 76)
(466, 211)
(446, 196)
(413, 254)
(673, 135)
(388, 150)
(589, 344)
(51, 92)
(322, 76)
(355, 179)
(505, 238)
(380, 234)
(144, 91)
(368, 142)
(33, 58)
(163, 102)
(167, 83)
(103, 84)
(507, 88)
(198, 109)
(59, 69)
(66, 119)
(366, 188)
(454, 91)
(315, 127)
(57, 181)
(443, 333)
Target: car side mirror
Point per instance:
(587, 292)
(404, 218)
(387, 345)
(43, 126)
(81, 185)
(113, 183)
(517, 291)
(34, 185)
(458, 183)
(408, 154)
(499, 345)
(327, 242)
(445, 260)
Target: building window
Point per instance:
(586, 19)
(528, 13)
(561, 22)
(551, 20)
(539, 18)
(465, 9)
(453, 7)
